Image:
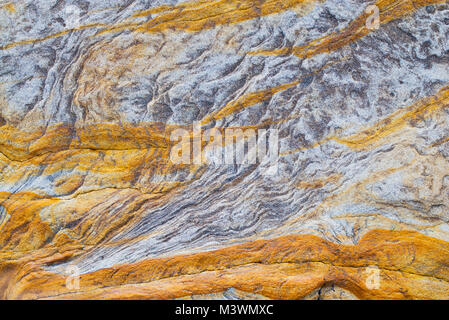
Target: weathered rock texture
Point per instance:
(87, 107)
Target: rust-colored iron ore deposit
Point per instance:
(224, 149)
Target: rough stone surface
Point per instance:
(90, 92)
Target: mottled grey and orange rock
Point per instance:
(91, 91)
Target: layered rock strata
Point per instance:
(91, 93)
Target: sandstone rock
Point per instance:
(91, 93)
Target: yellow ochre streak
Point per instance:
(188, 16)
(411, 266)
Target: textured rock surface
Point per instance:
(90, 92)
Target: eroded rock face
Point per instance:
(92, 91)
